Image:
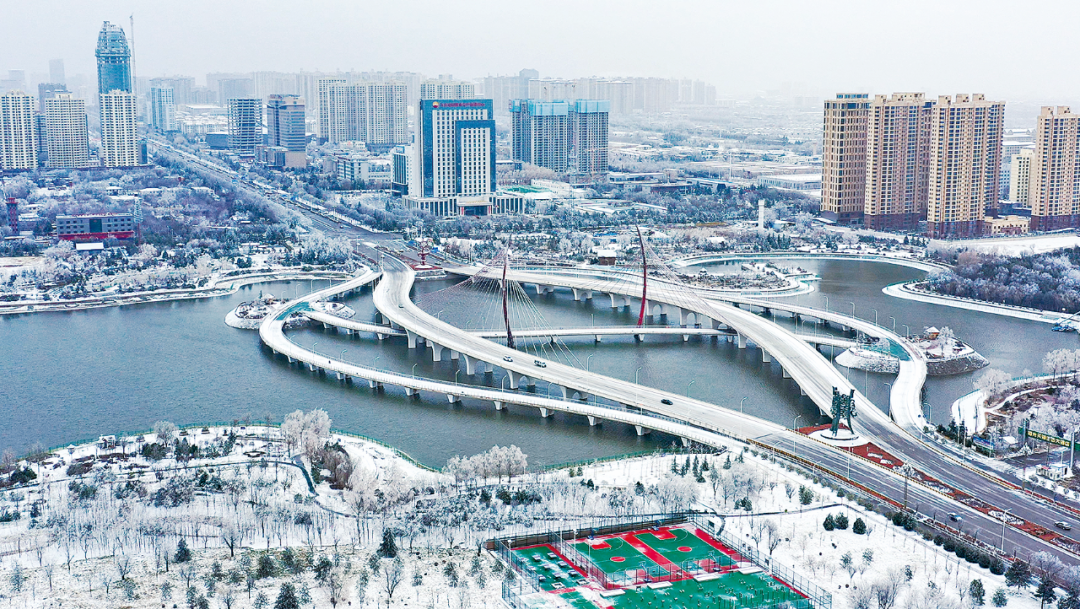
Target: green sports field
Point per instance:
(618, 558)
(730, 591)
(696, 549)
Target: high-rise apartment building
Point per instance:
(47, 90)
(66, 132)
(566, 137)
(1055, 170)
(119, 135)
(18, 131)
(162, 106)
(897, 161)
(113, 59)
(325, 100)
(965, 157)
(843, 158)
(182, 87)
(373, 113)
(447, 89)
(245, 125)
(1020, 177)
(455, 168)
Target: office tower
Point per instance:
(447, 89)
(18, 131)
(1055, 170)
(1020, 177)
(119, 135)
(897, 161)
(113, 59)
(47, 90)
(402, 165)
(56, 71)
(965, 156)
(374, 113)
(566, 137)
(162, 107)
(843, 158)
(285, 128)
(66, 132)
(245, 125)
(235, 88)
(455, 168)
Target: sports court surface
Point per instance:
(661, 568)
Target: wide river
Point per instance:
(75, 375)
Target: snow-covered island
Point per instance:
(248, 315)
(944, 353)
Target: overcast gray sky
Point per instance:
(1007, 49)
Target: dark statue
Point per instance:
(843, 406)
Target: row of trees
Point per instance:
(1043, 281)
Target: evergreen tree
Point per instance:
(388, 547)
(727, 462)
(1000, 599)
(841, 521)
(286, 598)
(183, 554)
(859, 527)
(1018, 575)
(1045, 592)
(978, 593)
(829, 523)
(675, 465)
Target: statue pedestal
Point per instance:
(844, 437)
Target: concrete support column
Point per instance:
(373, 384)
(291, 360)
(380, 336)
(742, 340)
(545, 413)
(409, 391)
(765, 357)
(642, 431)
(685, 442)
(597, 337)
(682, 316)
(470, 364)
(787, 374)
(453, 399)
(499, 405)
(613, 296)
(593, 421)
(453, 354)
(436, 352)
(412, 339)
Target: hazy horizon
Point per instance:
(817, 49)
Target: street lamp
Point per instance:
(793, 429)
(688, 388)
(1004, 519)
(741, 404)
(588, 360)
(313, 345)
(414, 369)
(341, 356)
(636, 375)
(375, 360)
(893, 323)
(875, 316)
(826, 303)
(907, 330)
(852, 308)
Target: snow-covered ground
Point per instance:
(1014, 246)
(128, 515)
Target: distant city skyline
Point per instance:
(807, 49)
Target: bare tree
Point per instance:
(392, 577)
(887, 589)
(228, 598)
(774, 536)
(187, 573)
(233, 537)
(123, 566)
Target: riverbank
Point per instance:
(906, 260)
(907, 291)
(218, 286)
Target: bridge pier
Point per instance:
(470, 364)
(412, 339)
(597, 337)
(517, 378)
(291, 360)
(741, 338)
(685, 337)
(593, 421)
(312, 367)
(685, 442)
(436, 352)
(545, 413)
(786, 374)
(453, 399)
(453, 354)
(642, 431)
(765, 357)
(380, 336)
(499, 405)
(409, 391)
(373, 384)
(582, 294)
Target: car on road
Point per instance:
(953, 516)
(507, 358)
(666, 401)
(401, 305)
(539, 363)
(1064, 526)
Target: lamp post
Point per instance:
(793, 429)
(375, 360)
(893, 323)
(907, 330)
(741, 404)
(875, 316)
(852, 308)
(341, 356)
(826, 303)
(588, 360)
(688, 387)
(1004, 520)
(313, 345)
(636, 375)
(456, 373)
(414, 369)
